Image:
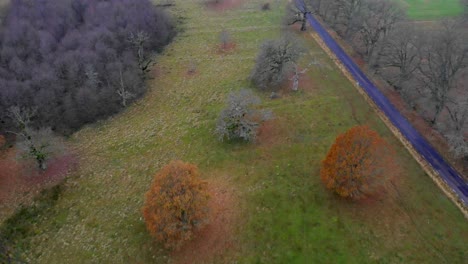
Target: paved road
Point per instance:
(447, 173)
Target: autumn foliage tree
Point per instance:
(176, 204)
(358, 162)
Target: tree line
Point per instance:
(73, 62)
(427, 65)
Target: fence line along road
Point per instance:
(444, 175)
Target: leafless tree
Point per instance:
(379, 18)
(40, 145)
(401, 52)
(139, 40)
(294, 15)
(456, 128)
(92, 77)
(444, 56)
(22, 116)
(296, 76)
(123, 91)
(240, 119)
(351, 16)
(273, 63)
(458, 146)
(328, 10)
(458, 112)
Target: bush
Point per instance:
(240, 120)
(70, 63)
(176, 204)
(358, 162)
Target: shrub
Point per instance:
(358, 162)
(176, 204)
(240, 120)
(274, 62)
(69, 59)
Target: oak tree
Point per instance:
(240, 119)
(358, 162)
(274, 62)
(176, 204)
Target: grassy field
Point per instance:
(286, 215)
(432, 9)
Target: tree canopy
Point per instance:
(358, 162)
(67, 59)
(176, 204)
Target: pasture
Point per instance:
(432, 9)
(283, 213)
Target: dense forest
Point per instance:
(67, 63)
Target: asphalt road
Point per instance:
(447, 173)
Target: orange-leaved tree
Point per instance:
(358, 162)
(176, 204)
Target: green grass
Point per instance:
(286, 214)
(432, 9)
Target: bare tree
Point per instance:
(458, 145)
(295, 15)
(40, 145)
(138, 41)
(465, 9)
(92, 77)
(380, 16)
(37, 144)
(296, 77)
(401, 51)
(454, 128)
(444, 56)
(350, 16)
(273, 63)
(240, 119)
(328, 10)
(458, 112)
